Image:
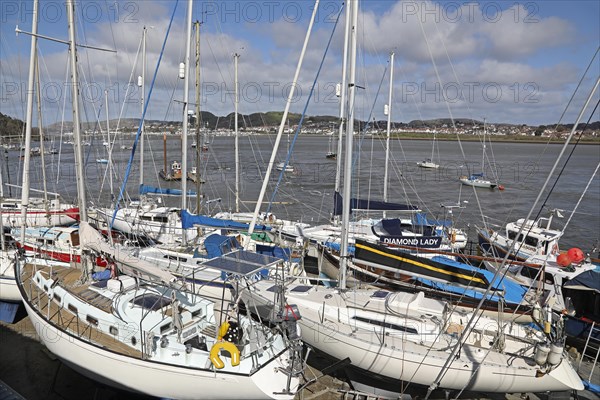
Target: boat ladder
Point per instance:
(590, 353)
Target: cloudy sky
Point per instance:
(508, 61)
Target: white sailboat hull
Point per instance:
(481, 183)
(9, 291)
(341, 325)
(152, 378)
(427, 164)
(56, 213)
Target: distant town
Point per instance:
(268, 123)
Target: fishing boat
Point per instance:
(194, 176)
(537, 238)
(172, 174)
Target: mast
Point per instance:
(288, 103)
(197, 112)
(142, 86)
(236, 58)
(389, 126)
(109, 168)
(483, 152)
(41, 132)
(186, 81)
(342, 96)
(28, 121)
(353, 5)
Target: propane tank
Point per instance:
(541, 353)
(556, 351)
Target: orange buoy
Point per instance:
(563, 260)
(576, 255)
(500, 187)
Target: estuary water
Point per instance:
(307, 194)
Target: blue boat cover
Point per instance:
(146, 189)
(421, 219)
(588, 280)
(361, 204)
(189, 220)
(274, 251)
(8, 311)
(216, 245)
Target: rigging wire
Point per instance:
(137, 136)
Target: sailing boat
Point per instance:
(428, 163)
(282, 165)
(479, 180)
(331, 154)
(141, 330)
(33, 212)
(393, 338)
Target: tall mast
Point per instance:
(41, 133)
(237, 150)
(109, 167)
(389, 126)
(197, 112)
(142, 86)
(353, 4)
(28, 121)
(186, 81)
(483, 152)
(342, 95)
(76, 127)
(286, 110)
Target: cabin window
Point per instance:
(161, 218)
(531, 273)
(91, 320)
(165, 328)
(72, 308)
(512, 235)
(57, 298)
(146, 218)
(174, 258)
(133, 340)
(45, 287)
(75, 239)
(531, 241)
(386, 324)
(197, 313)
(113, 331)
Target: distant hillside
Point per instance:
(11, 129)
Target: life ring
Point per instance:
(227, 346)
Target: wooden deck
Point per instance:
(65, 319)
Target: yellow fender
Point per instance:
(223, 330)
(228, 346)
